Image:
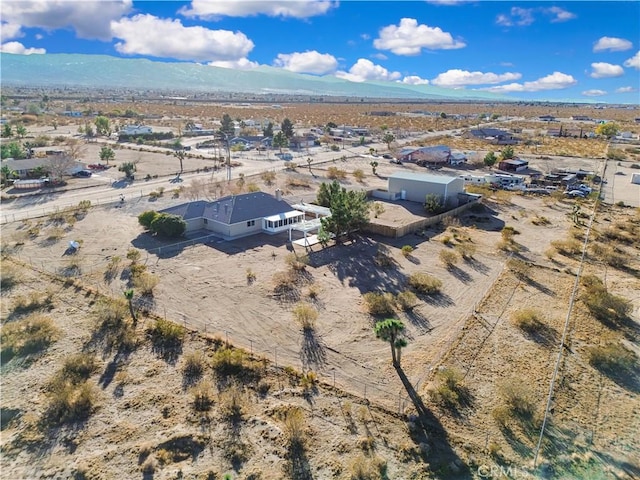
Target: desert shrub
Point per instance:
(508, 232)
(10, 276)
(519, 268)
(137, 270)
(193, 366)
(383, 257)
(528, 320)
(424, 283)
(407, 250)
(134, 255)
(613, 359)
(252, 187)
(297, 262)
(466, 250)
(202, 396)
(112, 265)
(306, 315)
(296, 182)
(446, 240)
(335, 173)
(69, 402)
(78, 368)
(448, 258)
(517, 402)
(367, 467)
(379, 304)
(34, 301)
(268, 177)
(166, 334)
(26, 336)
(111, 310)
(406, 300)
(227, 361)
(609, 255)
(308, 381)
(358, 174)
(145, 282)
(540, 220)
(433, 203)
(377, 208)
(603, 305)
(167, 225)
(285, 285)
(313, 292)
(56, 233)
(295, 427)
(251, 276)
(567, 247)
(450, 391)
(233, 402)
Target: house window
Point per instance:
(251, 223)
(206, 221)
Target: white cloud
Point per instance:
(559, 14)
(606, 70)
(633, 62)
(379, 56)
(447, 2)
(415, 80)
(520, 17)
(239, 64)
(554, 81)
(459, 78)
(149, 35)
(246, 8)
(307, 62)
(625, 90)
(594, 93)
(9, 31)
(365, 70)
(19, 49)
(613, 44)
(409, 38)
(89, 19)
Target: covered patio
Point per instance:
(282, 221)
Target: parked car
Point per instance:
(83, 173)
(388, 156)
(576, 193)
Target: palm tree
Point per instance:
(179, 154)
(390, 330)
(128, 294)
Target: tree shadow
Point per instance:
(438, 299)
(297, 465)
(313, 353)
(477, 265)
(542, 334)
(459, 274)
(428, 430)
(417, 319)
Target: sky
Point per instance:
(544, 50)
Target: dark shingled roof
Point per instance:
(233, 209)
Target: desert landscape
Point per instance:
(134, 356)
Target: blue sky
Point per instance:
(545, 50)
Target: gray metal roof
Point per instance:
(424, 177)
(232, 209)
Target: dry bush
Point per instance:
(450, 392)
(26, 336)
(383, 257)
(234, 402)
(358, 174)
(297, 182)
(517, 403)
(202, 396)
(250, 275)
(268, 177)
(520, 268)
(313, 292)
(424, 283)
(568, 248)
(407, 250)
(10, 277)
(406, 300)
(112, 266)
(613, 359)
(69, 403)
(295, 427)
(56, 233)
(508, 232)
(134, 255)
(528, 320)
(34, 301)
(448, 258)
(365, 467)
(165, 334)
(146, 282)
(451, 222)
(297, 262)
(334, 173)
(309, 381)
(540, 220)
(193, 366)
(78, 368)
(379, 304)
(111, 310)
(466, 250)
(377, 208)
(285, 285)
(306, 315)
(603, 305)
(227, 361)
(610, 255)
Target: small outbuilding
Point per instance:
(416, 186)
(513, 165)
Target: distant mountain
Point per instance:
(103, 71)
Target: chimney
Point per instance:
(278, 194)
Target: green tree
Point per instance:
(6, 173)
(329, 126)
(287, 128)
(12, 150)
(268, 130)
(506, 153)
(374, 166)
(280, 140)
(168, 225)
(7, 131)
(107, 154)
(146, 218)
(608, 130)
(390, 331)
(88, 130)
(326, 192)
(388, 138)
(226, 125)
(443, 115)
(102, 125)
(490, 159)
(21, 130)
(128, 294)
(349, 211)
(129, 168)
(433, 203)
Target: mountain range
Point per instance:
(102, 71)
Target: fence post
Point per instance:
(365, 390)
(251, 346)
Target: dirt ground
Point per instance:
(207, 287)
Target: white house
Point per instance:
(416, 186)
(135, 130)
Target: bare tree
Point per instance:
(59, 165)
